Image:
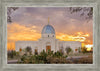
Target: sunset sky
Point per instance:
(27, 24)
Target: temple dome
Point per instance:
(48, 29)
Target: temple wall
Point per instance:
(55, 45)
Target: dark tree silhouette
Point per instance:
(29, 49)
(68, 50)
(11, 54)
(87, 12)
(84, 50)
(84, 11)
(79, 49)
(10, 10)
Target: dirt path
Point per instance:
(12, 61)
(75, 57)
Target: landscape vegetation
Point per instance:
(50, 57)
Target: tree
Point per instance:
(84, 49)
(57, 54)
(43, 54)
(36, 53)
(28, 49)
(10, 10)
(91, 49)
(61, 50)
(79, 49)
(84, 11)
(11, 54)
(68, 50)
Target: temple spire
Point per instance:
(48, 20)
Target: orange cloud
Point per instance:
(17, 32)
(78, 36)
(10, 45)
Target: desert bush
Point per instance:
(84, 50)
(57, 54)
(43, 56)
(28, 50)
(53, 58)
(56, 60)
(49, 59)
(11, 54)
(68, 50)
(79, 49)
(66, 56)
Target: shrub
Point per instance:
(11, 54)
(57, 54)
(28, 50)
(66, 56)
(52, 58)
(49, 59)
(68, 50)
(84, 50)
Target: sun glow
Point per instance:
(22, 33)
(78, 36)
(89, 47)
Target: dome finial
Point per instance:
(48, 20)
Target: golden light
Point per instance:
(88, 47)
(20, 33)
(78, 36)
(83, 45)
(81, 39)
(86, 35)
(79, 33)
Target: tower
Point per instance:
(48, 31)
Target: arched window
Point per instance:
(48, 46)
(36, 51)
(20, 49)
(53, 35)
(76, 50)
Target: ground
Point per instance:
(74, 58)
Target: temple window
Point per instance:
(76, 50)
(53, 35)
(20, 49)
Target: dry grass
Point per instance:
(84, 60)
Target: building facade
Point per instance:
(47, 42)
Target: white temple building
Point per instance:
(47, 42)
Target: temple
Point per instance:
(48, 41)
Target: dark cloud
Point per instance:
(60, 18)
